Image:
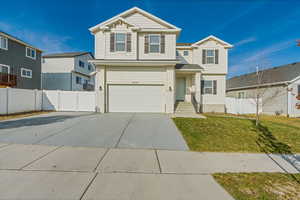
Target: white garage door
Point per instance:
(135, 98)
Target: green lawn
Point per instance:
(261, 186)
(228, 134)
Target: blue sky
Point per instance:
(264, 32)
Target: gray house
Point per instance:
(20, 63)
(279, 88)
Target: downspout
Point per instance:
(288, 93)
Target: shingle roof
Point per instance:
(183, 44)
(188, 66)
(66, 54)
(274, 75)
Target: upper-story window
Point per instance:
(81, 64)
(154, 43)
(210, 56)
(120, 42)
(185, 53)
(3, 43)
(27, 73)
(177, 53)
(89, 67)
(30, 53)
(241, 95)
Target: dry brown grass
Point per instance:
(20, 115)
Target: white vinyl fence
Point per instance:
(241, 106)
(20, 100)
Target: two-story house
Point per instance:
(20, 63)
(141, 69)
(68, 71)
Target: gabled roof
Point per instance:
(272, 76)
(130, 11)
(211, 37)
(18, 40)
(117, 20)
(66, 55)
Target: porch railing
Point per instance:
(7, 79)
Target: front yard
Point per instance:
(230, 134)
(261, 186)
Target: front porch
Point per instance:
(187, 87)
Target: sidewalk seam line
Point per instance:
(158, 162)
(39, 158)
(101, 159)
(123, 131)
(88, 186)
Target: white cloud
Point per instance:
(245, 41)
(48, 42)
(261, 57)
(268, 51)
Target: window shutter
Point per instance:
(128, 42)
(112, 42)
(202, 86)
(203, 56)
(217, 56)
(215, 86)
(146, 44)
(162, 43)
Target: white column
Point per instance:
(100, 89)
(198, 89)
(170, 90)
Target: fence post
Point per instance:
(7, 98)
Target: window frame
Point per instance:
(212, 87)
(26, 70)
(6, 42)
(185, 51)
(3, 65)
(239, 96)
(298, 88)
(121, 42)
(80, 80)
(31, 49)
(214, 56)
(159, 43)
(80, 61)
(89, 67)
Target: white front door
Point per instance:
(180, 89)
(136, 98)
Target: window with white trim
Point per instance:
(30, 53)
(241, 95)
(4, 69)
(208, 86)
(26, 73)
(89, 67)
(78, 80)
(120, 42)
(154, 43)
(210, 56)
(3, 43)
(177, 53)
(81, 64)
(185, 53)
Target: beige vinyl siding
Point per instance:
(218, 98)
(141, 21)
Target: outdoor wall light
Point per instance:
(100, 88)
(170, 88)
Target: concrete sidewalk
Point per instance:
(41, 171)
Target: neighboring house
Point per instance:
(68, 71)
(279, 88)
(20, 63)
(138, 69)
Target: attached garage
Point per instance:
(136, 98)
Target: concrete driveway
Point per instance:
(111, 130)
